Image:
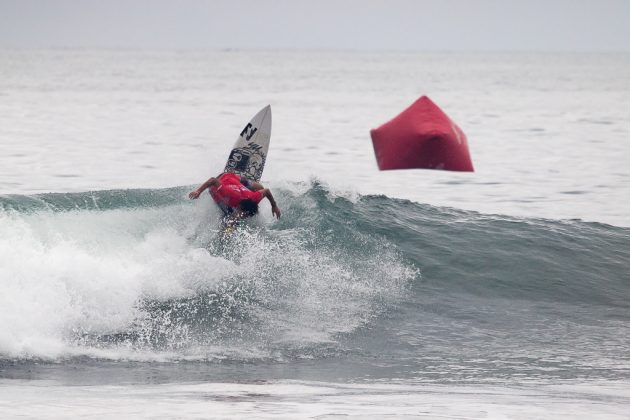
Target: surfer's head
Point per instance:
(248, 207)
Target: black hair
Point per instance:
(249, 207)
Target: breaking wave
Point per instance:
(142, 275)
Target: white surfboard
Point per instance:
(249, 153)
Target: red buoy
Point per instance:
(423, 137)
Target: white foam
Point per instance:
(84, 272)
(72, 277)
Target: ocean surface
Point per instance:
(503, 293)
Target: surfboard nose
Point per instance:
(249, 153)
(267, 110)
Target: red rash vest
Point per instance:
(231, 192)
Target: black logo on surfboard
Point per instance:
(248, 161)
(249, 131)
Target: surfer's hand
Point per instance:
(194, 195)
(275, 211)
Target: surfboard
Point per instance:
(247, 157)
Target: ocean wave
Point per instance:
(123, 273)
(145, 270)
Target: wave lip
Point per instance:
(92, 200)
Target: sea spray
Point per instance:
(154, 277)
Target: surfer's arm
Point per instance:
(209, 183)
(266, 192)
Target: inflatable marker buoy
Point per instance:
(422, 137)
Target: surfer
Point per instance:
(236, 196)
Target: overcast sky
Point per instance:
(556, 25)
